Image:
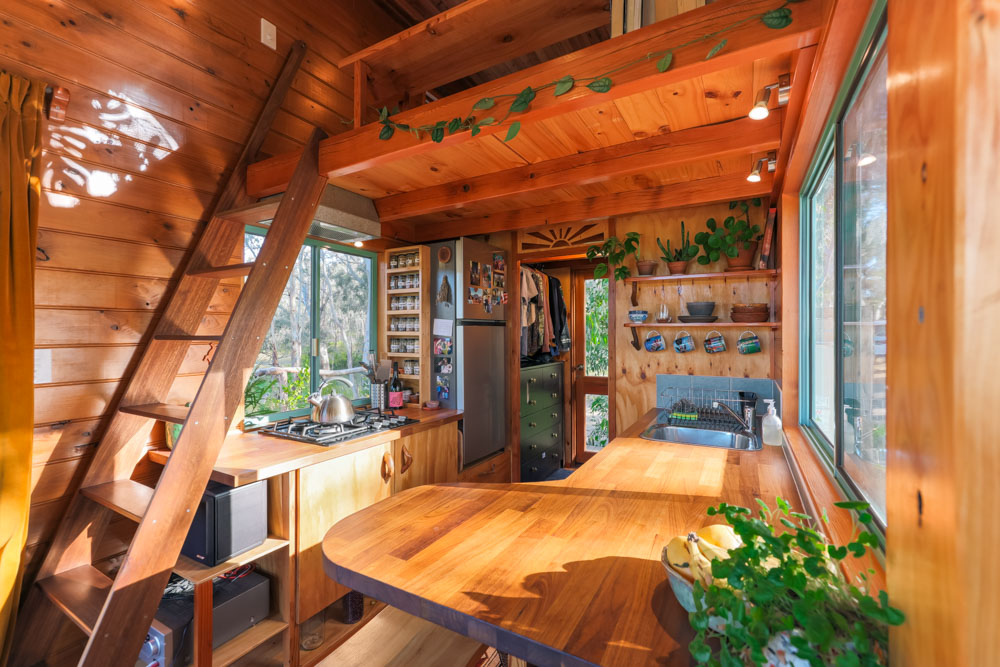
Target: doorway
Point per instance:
(589, 361)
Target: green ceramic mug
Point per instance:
(748, 344)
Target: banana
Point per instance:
(720, 535)
(710, 551)
(701, 567)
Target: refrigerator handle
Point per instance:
(461, 447)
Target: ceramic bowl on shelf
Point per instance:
(749, 317)
(700, 308)
(638, 316)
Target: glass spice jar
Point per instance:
(393, 261)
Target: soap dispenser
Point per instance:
(771, 425)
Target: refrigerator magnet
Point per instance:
(486, 277)
(499, 265)
(499, 279)
(474, 273)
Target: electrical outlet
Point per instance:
(268, 34)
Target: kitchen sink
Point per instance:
(704, 437)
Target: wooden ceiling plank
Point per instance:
(361, 149)
(442, 48)
(742, 136)
(690, 193)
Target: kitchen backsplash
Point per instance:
(705, 389)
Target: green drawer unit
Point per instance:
(545, 419)
(548, 440)
(541, 386)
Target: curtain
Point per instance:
(21, 118)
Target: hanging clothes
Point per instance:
(560, 316)
(544, 319)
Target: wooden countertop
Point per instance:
(556, 573)
(249, 457)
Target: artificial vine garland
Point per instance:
(776, 18)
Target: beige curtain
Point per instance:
(21, 118)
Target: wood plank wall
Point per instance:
(635, 370)
(163, 95)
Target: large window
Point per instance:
(844, 288)
(321, 332)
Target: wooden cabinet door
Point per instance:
(428, 457)
(328, 492)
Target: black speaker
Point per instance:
(229, 521)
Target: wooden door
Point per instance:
(428, 457)
(589, 376)
(328, 492)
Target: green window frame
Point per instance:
(315, 288)
(831, 446)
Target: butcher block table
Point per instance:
(555, 573)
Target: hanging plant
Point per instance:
(776, 18)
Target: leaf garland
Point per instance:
(776, 19)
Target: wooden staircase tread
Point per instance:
(191, 338)
(251, 213)
(175, 414)
(224, 271)
(79, 593)
(128, 498)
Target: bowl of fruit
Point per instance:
(688, 558)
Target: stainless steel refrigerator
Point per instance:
(469, 340)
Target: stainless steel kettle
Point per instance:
(332, 409)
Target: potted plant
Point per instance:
(781, 598)
(614, 251)
(736, 238)
(677, 258)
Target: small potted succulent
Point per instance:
(614, 252)
(677, 258)
(777, 596)
(736, 238)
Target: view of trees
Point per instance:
(286, 373)
(595, 313)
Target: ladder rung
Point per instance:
(188, 338)
(248, 215)
(224, 271)
(128, 498)
(175, 414)
(80, 594)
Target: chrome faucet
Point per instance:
(746, 427)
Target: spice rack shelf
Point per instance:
(416, 261)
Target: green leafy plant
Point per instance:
(255, 395)
(790, 586)
(615, 251)
(735, 233)
(686, 251)
(777, 19)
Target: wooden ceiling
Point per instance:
(654, 141)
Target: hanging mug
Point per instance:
(716, 343)
(748, 345)
(683, 343)
(654, 342)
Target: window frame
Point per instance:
(314, 274)
(831, 454)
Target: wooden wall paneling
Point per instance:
(943, 459)
(86, 364)
(69, 289)
(60, 250)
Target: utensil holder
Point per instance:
(380, 395)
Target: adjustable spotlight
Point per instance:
(760, 110)
(771, 160)
(754, 176)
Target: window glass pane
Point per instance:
(345, 289)
(822, 278)
(863, 199)
(596, 422)
(595, 322)
(280, 379)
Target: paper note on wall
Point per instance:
(442, 327)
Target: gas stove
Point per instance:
(365, 422)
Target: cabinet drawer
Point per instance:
(548, 440)
(540, 468)
(540, 388)
(541, 421)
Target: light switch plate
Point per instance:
(268, 34)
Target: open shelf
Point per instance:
(753, 273)
(390, 313)
(246, 641)
(711, 325)
(403, 334)
(404, 290)
(408, 377)
(403, 269)
(197, 573)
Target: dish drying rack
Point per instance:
(696, 411)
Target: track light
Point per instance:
(760, 109)
(771, 160)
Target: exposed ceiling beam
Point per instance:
(697, 144)
(688, 193)
(361, 149)
(469, 38)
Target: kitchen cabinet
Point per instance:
(428, 457)
(328, 492)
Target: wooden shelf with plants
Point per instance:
(639, 281)
(404, 315)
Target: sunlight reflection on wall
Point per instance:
(150, 140)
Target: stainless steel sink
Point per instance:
(703, 437)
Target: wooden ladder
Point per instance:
(116, 613)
